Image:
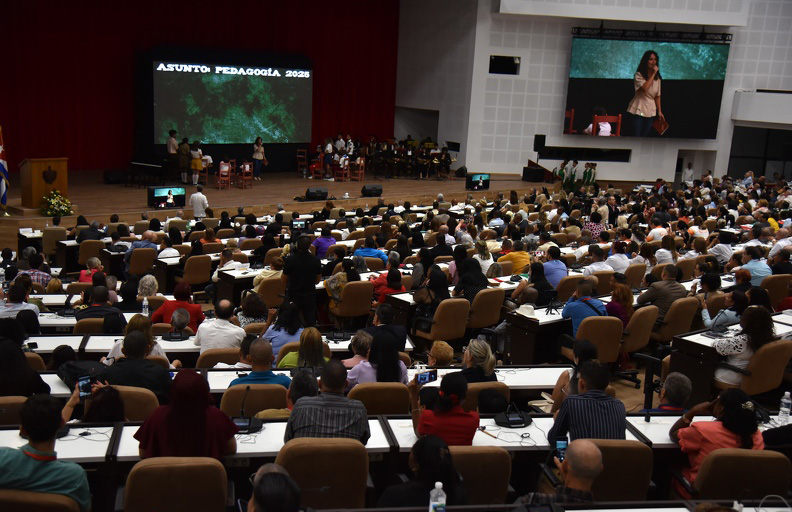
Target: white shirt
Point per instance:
(597, 266)
(218, 333)
(604, 129)
(657, 233)
(173, 145)
(169, 252)
(11, 309)
(340, 144)
(664, 256)
(722, 253)
(485, 264)
(239, 365)
(780, 244)
(199, 204)
(581, 252)
(687, 175)
(618, 262)
(229, 265)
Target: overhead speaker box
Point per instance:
(539, 142)
(371, 190)
(316, 194)
(504, 65)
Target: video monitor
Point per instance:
(639, 80)
(166, 197)
(477, 181)
(229, 103)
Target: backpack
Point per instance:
(70, 371)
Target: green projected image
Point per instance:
(221, 104)
(609, 58)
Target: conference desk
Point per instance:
(52, 321)
(165, 269)
(83, 444)
(58, 388)
(533, 378)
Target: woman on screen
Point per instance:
(169, 201)
(645, 105)
(259, 159)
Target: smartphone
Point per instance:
(84, 385)
(32, 345)
(426, 377)
(561, 446)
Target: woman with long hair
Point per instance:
(645, 104)
(432, 292)
(734, 426)
(736, 303)
(567, 383)
(402, 247)
(667, 252)
(259, 158)
(459, 255)
(335, 283)
(190, 426)
(757, 330)
(429, 461)
(621, 303)
(381, 365)
(483, 256)
(288, 326)
(618, 261)
(479, 362)
(104, 406)
(537, 290)
(447, 419)
(310, 353)
(143, 324)
(758, 296)
(471, 280)
(16, 376)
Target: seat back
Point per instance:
(639, 329)
(271, 291)
(35, 362)
(140, 227)
(507, 267)
(486, 308)
(471, 399)
(250, 244)
(255, 328)
(271, 255)
(446, 323)
(196, 235)
(89, 326)
(142, 260)
(260, 397)
(566, 287)
(160, 360)
(627, 470)
(12, 500)
(657, 270)
(213, 247)
(715, 302)
(374, 264)
(199, 482)
(727, 473)
(606, 119)
(307, 459)
(9, 409)
(292, 346)
(488, 234)
(635, 274)
(154, 302)
(776, 287)
(139, 403)
(331, 250)
(212, 356)
(50, 237)
(678, 319)
(356, 299)
(605, 332)
(225, 233)
(485, 472)
(382, 397)
(686, 266)
(603, 281)
(89, 249)
(767, 367)
(77, 288)
(198, 269)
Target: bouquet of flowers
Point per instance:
(56, 204)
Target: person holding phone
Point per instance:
(447, 419)
(645, 104)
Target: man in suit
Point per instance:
(663, 293)
(384, 322)
(613, 211)
(92, 232)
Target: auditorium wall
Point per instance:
(68, 86)
(506, 112)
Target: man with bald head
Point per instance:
(220, 332)
(261, 359)
(781, 240)
(580, 467)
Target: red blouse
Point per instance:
(163, 313)
(456, 427)
(156, 440)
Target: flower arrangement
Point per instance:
(56, 204)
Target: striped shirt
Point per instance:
(328, 415)
(592, 415)
(37, 276)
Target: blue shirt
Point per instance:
(368, 252)
(554, 271)
(27, 469)
(577, 310)
(268, 377)
(280, 337)
(759, 270)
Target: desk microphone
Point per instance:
(245, 424)
(244, 397)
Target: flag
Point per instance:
(3, 174)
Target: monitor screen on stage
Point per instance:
(226, 103)
(166, 197)
(612, 77)
(477, 181)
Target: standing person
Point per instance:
(3, 177)
(199, 203)
(259, 158)
(196, 161)
(184, 159)
(687, 174)
(645, 105)
(172, 145)
(301, 273)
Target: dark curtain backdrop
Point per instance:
(68, 86)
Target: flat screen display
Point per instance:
(477, 181)
(166, 197)
(612, 77)
(227, 103)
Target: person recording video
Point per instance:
(645, 104)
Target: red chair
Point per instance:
(357, 171)
(224, 175)
(570, 114)
(302, 161)
(340, 174)
(245, 176)
(316, 171)
(607, 119)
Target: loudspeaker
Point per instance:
(461, 172)
(315, 194)
(371, 190)
(539, 143)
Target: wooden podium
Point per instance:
(40, 176)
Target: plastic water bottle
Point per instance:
(145, 306)
(783, 411)
(437, 498)
(2, 277)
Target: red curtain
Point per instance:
(69, 67)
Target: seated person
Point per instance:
(93, 265)
(16, 301)
(597, 261)
(663, 293)
(381, 365)
(17, 378)
(369, 250)
(381, 281)
(582, 305)
(34, 466)
(441, 354)
(757, 330)
(735, 303)
(114, 320)
(359, 346)
(519, 257)
(330, 414)
(287, 326)
(478, 362)
(272, 484)
(310, 353)
(447, 420)
(261, 359)
(567, 383)
(128, 294)
(189, 426)
(674, 392)
(179, 326)
(275, 270)
(220, 332)
(244, 362)
(135, 370)
(392, 285)
(303, 383)
(385, 321)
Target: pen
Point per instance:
(485, 432)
